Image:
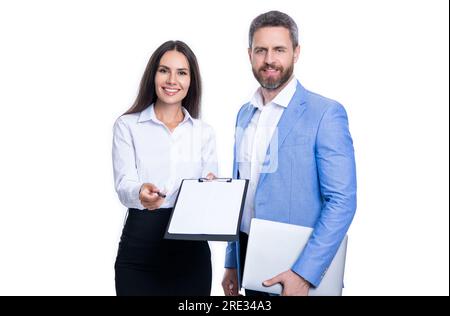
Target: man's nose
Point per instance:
(268, 58)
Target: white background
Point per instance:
(68, 69)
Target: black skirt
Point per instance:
(148, 264)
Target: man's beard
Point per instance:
(272, 83)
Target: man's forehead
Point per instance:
(271, 36)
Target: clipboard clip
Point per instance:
(216, 179)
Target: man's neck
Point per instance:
(269, 94)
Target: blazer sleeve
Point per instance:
(230, 256)
(337, 179)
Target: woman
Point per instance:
(158, 142)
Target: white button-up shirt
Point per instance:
(261, 130)
(145, 151)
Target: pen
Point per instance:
(160, 194)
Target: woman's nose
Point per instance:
(171, 78)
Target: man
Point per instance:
(295, 148)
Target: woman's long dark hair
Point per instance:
(147, 93)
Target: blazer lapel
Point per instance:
(291, 114)
(290, 117)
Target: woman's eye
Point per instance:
(162, 70)
(182, 73)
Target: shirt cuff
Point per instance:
(130, 196)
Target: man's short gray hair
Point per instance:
(274, 18)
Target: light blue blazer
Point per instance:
(314, 183)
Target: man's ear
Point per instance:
(249, 51)
(296, 53)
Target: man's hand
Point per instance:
(230, 282)
(149, 197)
(293, 284)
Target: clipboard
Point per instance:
(208, 210)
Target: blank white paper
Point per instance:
(209, 207)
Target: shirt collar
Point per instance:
(282, 99)
(149, 115)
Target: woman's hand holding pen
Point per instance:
(151, 197)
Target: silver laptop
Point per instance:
(273, 247)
